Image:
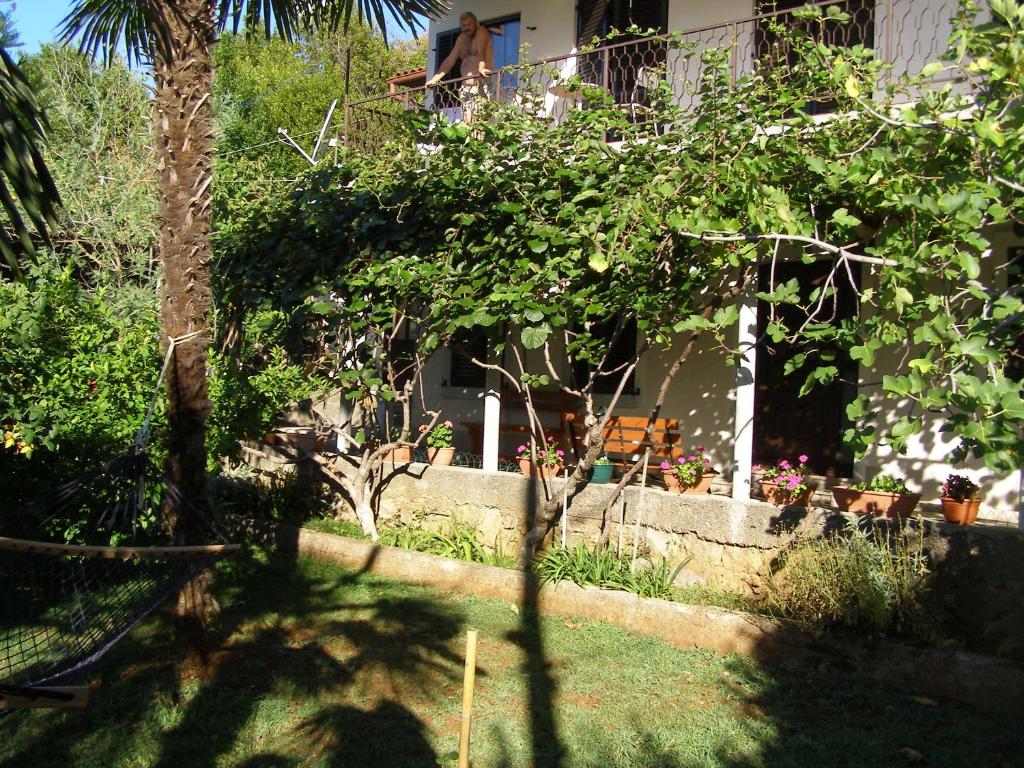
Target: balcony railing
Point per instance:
(907, 34)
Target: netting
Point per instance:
(62, 608)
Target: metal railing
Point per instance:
(907, 34)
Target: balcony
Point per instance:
(907, 34)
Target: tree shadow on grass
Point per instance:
(291, 636)
(547, 750)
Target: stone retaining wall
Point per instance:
(979, 570)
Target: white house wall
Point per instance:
(925, 464)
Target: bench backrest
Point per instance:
(624, 438)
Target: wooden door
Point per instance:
(787, 425)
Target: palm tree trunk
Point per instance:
(183, 74)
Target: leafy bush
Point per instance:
(253, 387)
(77, 372)
(870, 581)
(288, 497)
(602, 568)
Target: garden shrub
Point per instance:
(867, 580)
(287, 497)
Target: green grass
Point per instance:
(316, 666)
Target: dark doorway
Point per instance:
(786, 424)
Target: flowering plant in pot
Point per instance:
(547, 458)
(960, 500)
(601, 471)
(786, 483)
(883, 495)
(439, 443)
(688, 474)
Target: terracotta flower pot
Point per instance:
(775, 494)
(400, 455)
(960, 512)
(675, 485)
(875, 502)
(542, 471)
(441, 457)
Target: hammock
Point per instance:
(62, 606)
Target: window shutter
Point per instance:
(591, 16)
(445, 43)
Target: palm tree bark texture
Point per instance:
(183, 75)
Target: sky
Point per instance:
(38, 22)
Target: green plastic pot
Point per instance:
(601, 473)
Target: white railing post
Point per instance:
(743, 427)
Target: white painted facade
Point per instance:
(714, 402)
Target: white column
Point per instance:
(492, 416)
(743, 428)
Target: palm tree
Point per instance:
(174, 38)
(26, 188)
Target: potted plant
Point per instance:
(440, 451)
(883, 495)
(786, 483)
(547, 458)
(402, 454)
(688, 474)
(960, 500)
(601, 471)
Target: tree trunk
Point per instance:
(183, 75)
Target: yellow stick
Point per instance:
(468, 681)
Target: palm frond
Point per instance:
(286, 17)
(102, 26)
(25, 182)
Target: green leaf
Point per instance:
(844, 218)
(534, 336)
(537, 246)
(852, 87)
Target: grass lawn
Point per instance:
(317, 666)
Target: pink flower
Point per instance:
(559, 453)
(542, 454)
(448, 424)
(665, 465)
(785, 464)
(681, 460)
(792, 484)
(757, 468)
(700, 449)
(521, 449)
(803, 458)
(691, 458)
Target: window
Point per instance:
(622, 352)
(463, 372)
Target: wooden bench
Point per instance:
(624, 438)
